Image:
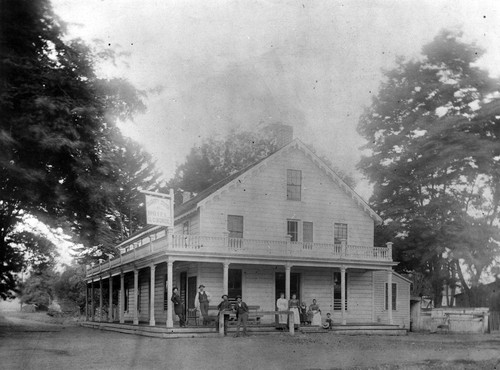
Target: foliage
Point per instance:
(58, 124)
(215, 159)
(70, 285)
(433, 133)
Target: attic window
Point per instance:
(293, 184)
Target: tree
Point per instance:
(215, 159)
(433, 132)
(70, 285)
(58, 121)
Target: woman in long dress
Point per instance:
(316, 313)
(293, 305)
(282, 305)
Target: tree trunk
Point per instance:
(465, 287)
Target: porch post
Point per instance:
(342, 294)
(152, 295)
(122, 298)
(86, 301)
(287, 281)
(170, 278)
(100, 298)
(136, 290)
(92, 299)
(225, 280)
(110, 309)
(389, 295)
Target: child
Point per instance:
(329, 321)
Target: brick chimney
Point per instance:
(283, 134)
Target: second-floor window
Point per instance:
(235, 226)
(292, 229)
(340, 233)
(307, 232)
(293, 184)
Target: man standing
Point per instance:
(201, 301)
(224, 306)
(241, 309)
(178, 306)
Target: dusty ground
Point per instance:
(59, 344)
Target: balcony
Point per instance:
(159, 242)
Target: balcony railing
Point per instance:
(233, 247)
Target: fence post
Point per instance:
(221, 323)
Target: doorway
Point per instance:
(191, 291)
(280, 285)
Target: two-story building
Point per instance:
(287, 224)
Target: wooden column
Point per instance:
(136, 295)
(100, 298)
(287, 281)
(225, 278)
(342, 294)
(110, 298)
(92, 299)
(389, 295)
(170, 278)
(122, 298)
(152, 270)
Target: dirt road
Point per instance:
(27, 344)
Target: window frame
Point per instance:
(305, 231)
(294, 185)
(340, 232)
(235, 233)
(294, 235)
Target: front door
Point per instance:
(191, 290)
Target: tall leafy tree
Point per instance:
(58, 121)
(433, 133)
(215, 159)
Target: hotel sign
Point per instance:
(159, 209)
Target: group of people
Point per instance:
(202, 300)
(301, 313)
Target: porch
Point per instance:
(161, 331)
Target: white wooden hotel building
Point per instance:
(287, 223)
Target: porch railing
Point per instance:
(223, 245)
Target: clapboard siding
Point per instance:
(144, 281)
(194, 224)
(400, 316)
(359, 296)
(261, 199)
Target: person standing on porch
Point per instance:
(282, 305)
(293, 305)
(201, 300)
(224, 306)
(241, 309)
(178, 306)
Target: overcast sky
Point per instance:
(227, 64)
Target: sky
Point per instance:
(222, 65)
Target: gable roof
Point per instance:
(212, 191)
